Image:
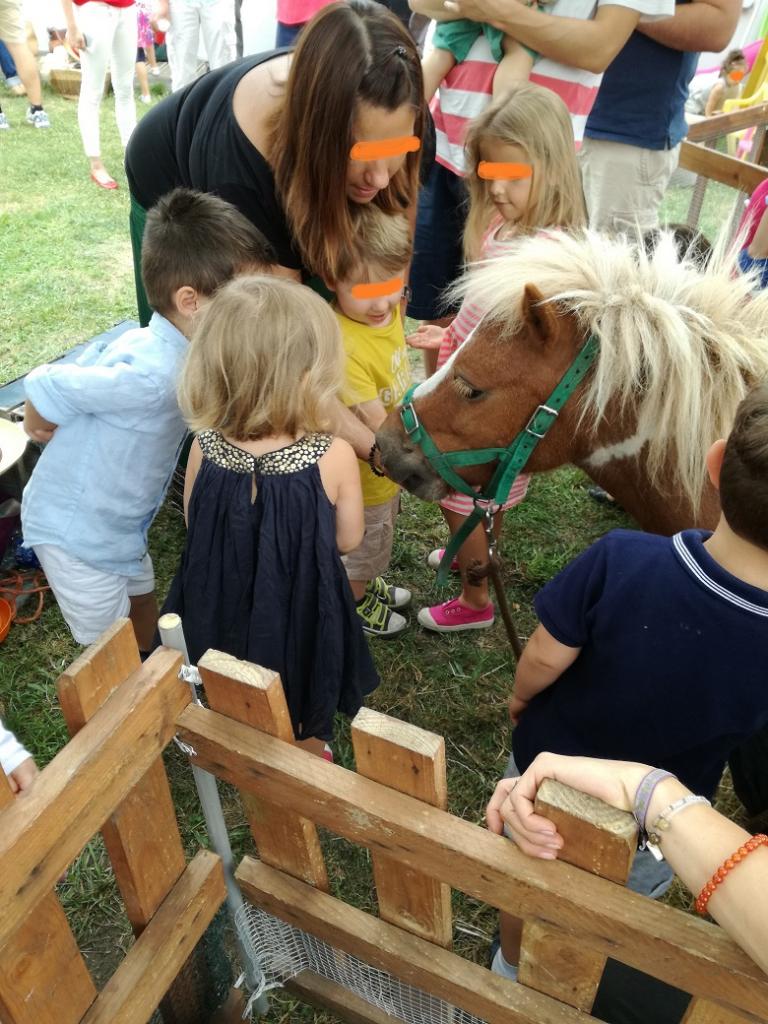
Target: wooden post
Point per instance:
(701, 1011)
(142, 837)
(254, 696)
(43, 977)
(597, 838)
(412, 761)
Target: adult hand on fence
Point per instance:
(511, 805)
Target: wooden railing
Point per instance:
(698, 155)
(109, 777)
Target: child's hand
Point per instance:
(428, 336)
(516, 707)
(35, 426)
(23, 776)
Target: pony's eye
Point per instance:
(465, 389)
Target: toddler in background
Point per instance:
(113, 426)
(271, 498)
(454, 38)
(368, 295)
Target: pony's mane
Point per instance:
(683, 345)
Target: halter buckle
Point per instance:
(408, 416)
(529, 427)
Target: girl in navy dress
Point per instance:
(270, 500)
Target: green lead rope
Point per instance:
(512, 460)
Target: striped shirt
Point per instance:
(466, 91)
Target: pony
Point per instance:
(678, 348)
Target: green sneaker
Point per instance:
(392, 597)
(377, 618)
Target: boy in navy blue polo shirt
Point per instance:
(653, 649)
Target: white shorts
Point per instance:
(91, 599)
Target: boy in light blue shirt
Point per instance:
(112, 426)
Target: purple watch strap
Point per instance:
(645, 792)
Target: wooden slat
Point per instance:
(701, 1011)
(598, 839)
(407, 957)
(43, 977)
(327, 995)
(254, 696)
(723, 124)
(137, 986)
(673, 946)
(738, 174)
(85, 782)
(142, 836)
(412, 761)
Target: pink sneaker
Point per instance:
(452, 616)
(435, 558)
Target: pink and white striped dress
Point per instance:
(462, 325)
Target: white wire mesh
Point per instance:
(284, 951)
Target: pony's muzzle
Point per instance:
(405, 463)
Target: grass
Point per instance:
(66, 276)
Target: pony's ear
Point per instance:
(538, 315)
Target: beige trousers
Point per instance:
(624, 185)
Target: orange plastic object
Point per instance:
(6, 617)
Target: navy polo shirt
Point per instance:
(672, 667)
(641, 100)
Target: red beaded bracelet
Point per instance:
(743, 851)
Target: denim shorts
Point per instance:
(437, 258)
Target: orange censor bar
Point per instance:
(503, 172)
(377, 289)
(385, 149)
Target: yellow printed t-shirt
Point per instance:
(377, 367)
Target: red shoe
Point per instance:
(108, 183)
(453, 616)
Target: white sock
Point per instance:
(501, 967)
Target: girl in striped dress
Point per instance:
(523, 178)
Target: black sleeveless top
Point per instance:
(262, 578)
(192, 139)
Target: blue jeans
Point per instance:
(287, 34)
(6, 62)
(437, 247)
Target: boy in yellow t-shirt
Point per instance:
(368, 294)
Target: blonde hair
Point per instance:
(381, 240)
(266, 358)
(536, 120)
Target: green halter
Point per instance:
(511, 460)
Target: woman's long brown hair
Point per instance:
(349, 52)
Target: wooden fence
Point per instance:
(110, 777)
(697, 154)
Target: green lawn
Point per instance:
(66, 276)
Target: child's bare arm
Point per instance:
(194, 462)
(340, 474)
(544, 660)
(371, 413)
(35, 425)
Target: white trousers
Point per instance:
(111, 33)
(215, 19)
